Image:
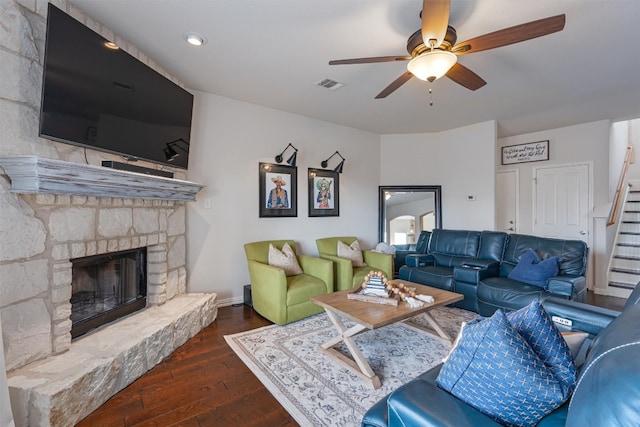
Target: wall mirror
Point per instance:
(406, 210)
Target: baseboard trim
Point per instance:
(230, 301)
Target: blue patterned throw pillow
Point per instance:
(533, 270)
(536, 327)
(495, 370)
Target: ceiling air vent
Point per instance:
(330, 84)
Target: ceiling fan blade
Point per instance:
(511, 35)
(435, 20)
(394, 85)
(465, 77)
(369, 60)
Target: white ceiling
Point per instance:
(272, 52)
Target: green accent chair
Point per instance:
(283, 299)
(345, 275)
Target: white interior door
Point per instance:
(562, 202)
(507, 201)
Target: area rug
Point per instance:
(315, 389)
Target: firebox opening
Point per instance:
(107, 287)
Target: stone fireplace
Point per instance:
(72, 210)
(85, 243)
(76, 226)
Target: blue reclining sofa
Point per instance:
(606, 392)
(478, 264)
(420, 247)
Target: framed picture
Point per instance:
(324, 192)
(278, 190)
(523, 153)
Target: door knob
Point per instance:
(582, 232)
(510, 229)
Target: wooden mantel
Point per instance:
(36, 175)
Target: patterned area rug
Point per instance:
(315, 389)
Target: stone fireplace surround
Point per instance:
(55, 381)
(52, 380)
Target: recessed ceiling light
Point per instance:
(111, 45)
(195, 39)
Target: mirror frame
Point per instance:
(437, 201)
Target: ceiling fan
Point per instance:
(433, 50)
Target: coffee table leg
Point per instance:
(358, 364)
(442, 334)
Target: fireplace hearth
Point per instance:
(107, 287)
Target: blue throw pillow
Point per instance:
(534, 324)
(533, 270)
(494, 370)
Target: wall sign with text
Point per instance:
(523, 153)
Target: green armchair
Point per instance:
(346, 276)
(283, 299)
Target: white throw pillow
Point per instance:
(385, 248)
(285, 259)
(351, 252)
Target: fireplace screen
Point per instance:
(106, 287)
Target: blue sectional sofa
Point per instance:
(478, 264)
(420, 247)
(606, 393)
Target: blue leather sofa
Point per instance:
(606, 394)
(477, 264)
(420, 247)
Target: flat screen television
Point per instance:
(103, 98)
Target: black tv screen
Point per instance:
(106, 99)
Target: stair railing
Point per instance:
(617, 201)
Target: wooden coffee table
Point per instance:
(369, 316)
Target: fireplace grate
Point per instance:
(106, 287)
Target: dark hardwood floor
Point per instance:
(612, 303)
(203, 383)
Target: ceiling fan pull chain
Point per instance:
(430, 96)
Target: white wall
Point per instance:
(619, 140)
(628, 133)
(229, 139)
(461, 160)
(588, 142)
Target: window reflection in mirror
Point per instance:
(405, 211)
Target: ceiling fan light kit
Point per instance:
(434, 52)
(432, 65)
